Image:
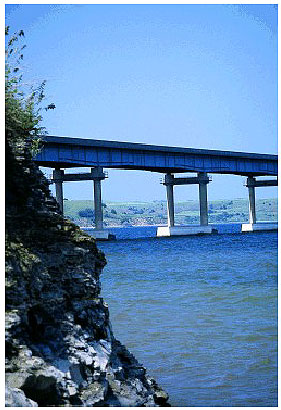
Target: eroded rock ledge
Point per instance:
(60, 349)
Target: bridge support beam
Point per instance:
(253, 226)
(170, 200)
(58, 178)
(252, 200)
(203, 201)
(202, 180)
(97, 175)
(98, 205)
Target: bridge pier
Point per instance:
(253, 226)
(202, 180)
(96, 175)
(203, 201)
(98, 205)
(58, 179)
(170, 200)
(252, 200)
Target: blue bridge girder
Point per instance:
(67, 152)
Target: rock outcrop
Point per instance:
(60, 350)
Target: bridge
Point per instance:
(66, 152)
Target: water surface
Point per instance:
(199, 312)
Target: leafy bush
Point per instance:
(22, 105)
(22, 121)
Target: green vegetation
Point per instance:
(22, 120)
(154, 213)
(22, 105)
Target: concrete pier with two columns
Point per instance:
(253, 225)
(202, 180)
(96, 175)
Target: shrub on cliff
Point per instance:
(22, 120)
(22, 106)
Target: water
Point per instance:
(199, 312)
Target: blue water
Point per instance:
(199, 312)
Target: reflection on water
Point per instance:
(199, 312)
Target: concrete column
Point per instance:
(170, 200)
(252, 200)
(58, 178)
(97, 202)
(203, 201)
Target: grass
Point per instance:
(149, 213)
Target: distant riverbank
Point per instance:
(125, 214)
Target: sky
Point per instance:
(198, 76)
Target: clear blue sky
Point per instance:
(202, 76)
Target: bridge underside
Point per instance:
(162, 170)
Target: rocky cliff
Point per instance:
(60, 350)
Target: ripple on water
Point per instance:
(200, 313)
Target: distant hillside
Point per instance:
(155, 213)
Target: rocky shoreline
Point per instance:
(60, 349)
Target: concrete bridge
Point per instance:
(65, 152)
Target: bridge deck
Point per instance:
(67, 152)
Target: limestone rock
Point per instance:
(17, 398)
(60, 350)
